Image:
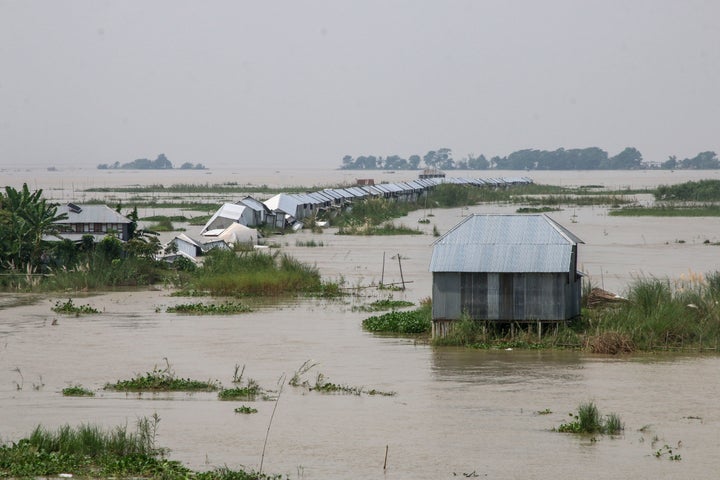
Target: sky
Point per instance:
(294, 83)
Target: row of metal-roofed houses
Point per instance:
(285, 209)
(236, 222)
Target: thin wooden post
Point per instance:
(401, 274)
(382, 275)
(386, 452)
(539, 331)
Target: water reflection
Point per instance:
(505, 366)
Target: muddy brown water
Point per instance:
(455, 411)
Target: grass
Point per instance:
(588, 420)
(70, 308)
(668, 211)
(77, 391)
(162, 380)
(90, 451)
(210, 309)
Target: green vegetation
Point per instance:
(308, 243)
(371, 212)
(227, 273)
(164, 225)
(162, 380)
(249, 392)
(700, 191)
(30, 263)
(537, 209)
(165, 218)
(25, 217)
(382, 305)
(667, 451)
(226, 308)
(417, 321)
(660, 314)
(90, 452)
(77, 391)
(70, 308)
(588, 420)
(245, 410)
(668, 211)
(387, 228)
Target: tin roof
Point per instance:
(90, 214)
(504, 243)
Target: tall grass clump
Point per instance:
(660, 314)
(229, 273)
(90, 451)
(588, 420)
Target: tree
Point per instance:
(477, 163)
(702, 161)
(670, 163)
(414, 161)
(627, 159)
(26, 217)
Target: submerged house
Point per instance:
(509, 269)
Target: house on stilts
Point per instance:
(510, 270)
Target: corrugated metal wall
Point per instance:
(446, 296)
(506, 296)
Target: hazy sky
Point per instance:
(289, 83)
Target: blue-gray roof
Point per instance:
(505, 243)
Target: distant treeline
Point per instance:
(160, 163)
(592, 158)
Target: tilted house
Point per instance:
(513, 269)
(228, 214)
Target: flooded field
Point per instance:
(456, 412)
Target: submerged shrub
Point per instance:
(588, 420)
(415, 321)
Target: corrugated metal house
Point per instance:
(505, 269)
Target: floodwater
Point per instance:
(456, 412)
